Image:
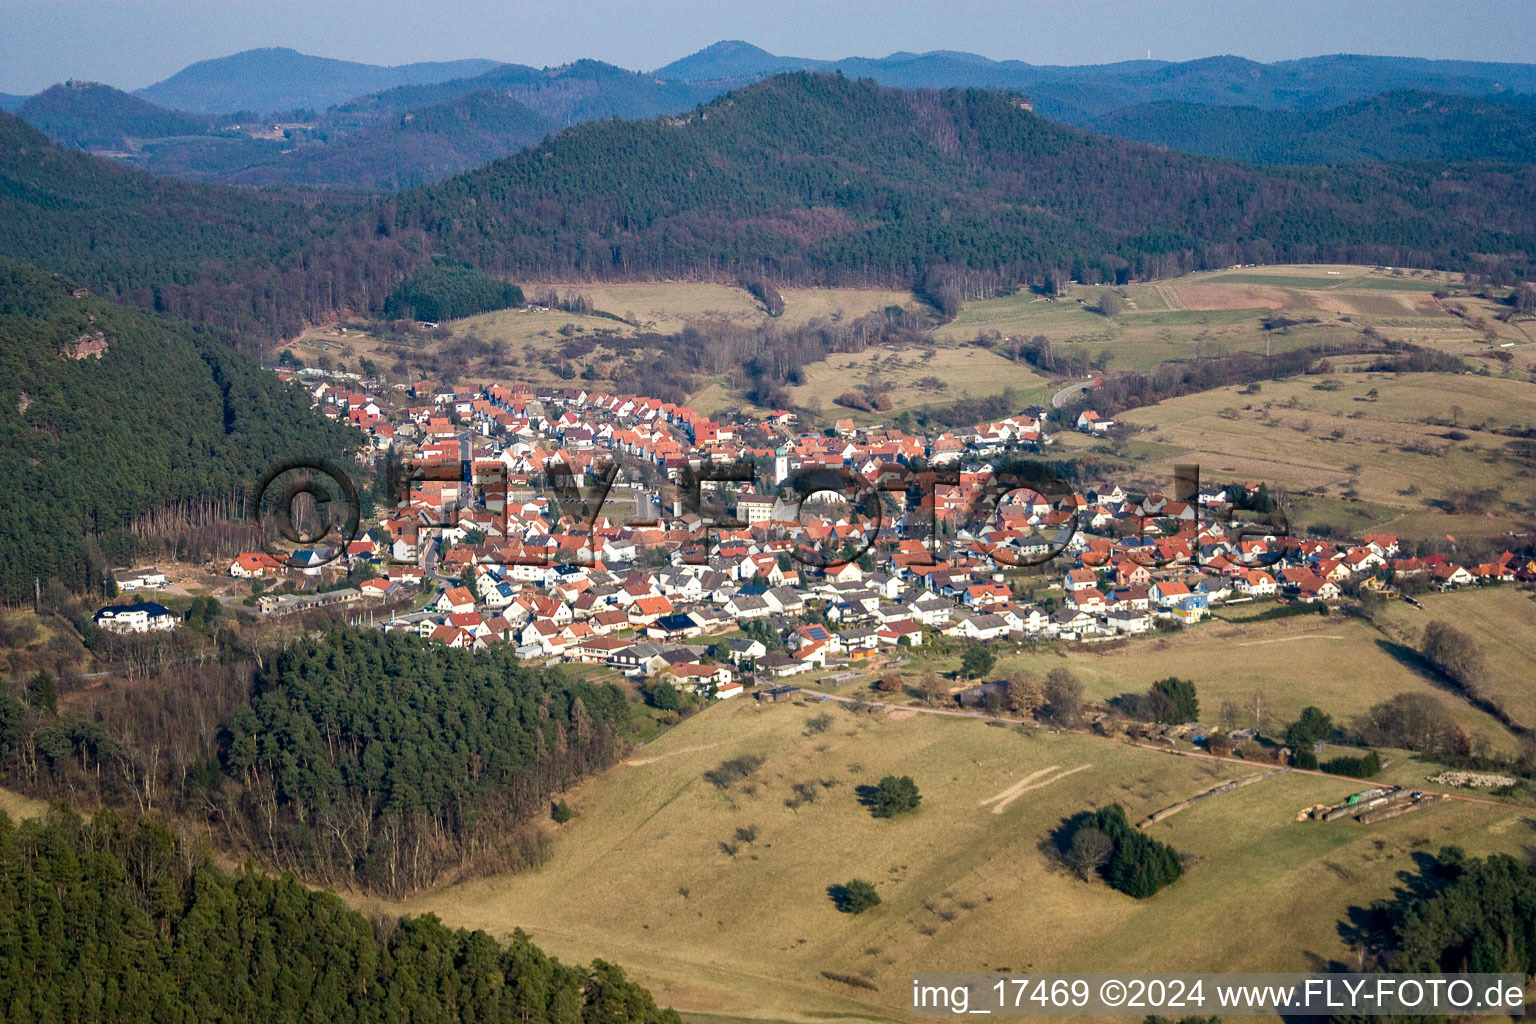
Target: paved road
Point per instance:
(1065, 395)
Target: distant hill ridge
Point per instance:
(278, 78)
(1079, 93)
(431, 121)
(95, 116)
(1391, 126)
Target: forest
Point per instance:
(1392, 126)
(124, 920)
(372, 760)
(110, 414)
(801, 179)
(1456, 913)
(448, 291)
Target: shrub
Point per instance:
(734, 770)
(1138, 866)
(977, 661)
(854, 897)
(561, 812)
(1354, 767)
(894, 795)
(1175, 699)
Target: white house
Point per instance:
(141, 617)
(1090, 422)
(1255, 583)
(143, 579)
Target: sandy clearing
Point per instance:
(1027, 784)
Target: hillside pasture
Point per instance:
(1342, 665)
(1393, 443)
(668, 306)
(1225, 311)
(1503, 622)
(914, 377)
(656, 871)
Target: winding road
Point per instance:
(1065, 395)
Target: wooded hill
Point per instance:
(95, 116)
(108, 413)
(375, 761)
(278, 78)
(815, 178)
(803, 178)
(112, 921)
(236, 258)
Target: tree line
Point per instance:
(379, 761)
(122, 920)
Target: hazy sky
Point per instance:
(132, 43)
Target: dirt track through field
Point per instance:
(635, 762)
(1171, 297)
(1023, 786)
(1288, 639)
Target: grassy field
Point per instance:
(1373, 452)
(528, 339)
(1502, 620)
(1342, 665)
(1222, 311)
(950, 373)
(666, 306)
(641, 876)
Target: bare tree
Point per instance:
(1258, 711)
(1231, 714)
(1090, 849)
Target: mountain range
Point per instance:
(1390, 126)
(432, 121)
(1079, 93)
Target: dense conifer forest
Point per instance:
(384, 760)
(821, 178)
(1456, 913)
(113, 920)
(109, 413)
